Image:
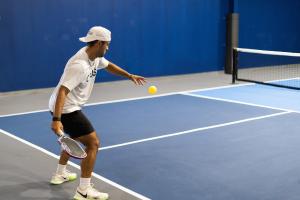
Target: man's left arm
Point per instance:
(114, 69)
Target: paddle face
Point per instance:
(72, 147)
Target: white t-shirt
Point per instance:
(79, 77)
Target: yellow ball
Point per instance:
(152, 89)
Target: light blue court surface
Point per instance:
(293, 82)
(258, 94)
(190, 146)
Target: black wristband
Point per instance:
(55, 118)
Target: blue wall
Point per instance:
(269, 24)
(151, 38)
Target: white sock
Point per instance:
(61, 169)
(84, 182)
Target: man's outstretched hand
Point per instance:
(138, 80)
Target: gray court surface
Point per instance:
(25, 171)
(25, 174)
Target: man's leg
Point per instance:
(85, 189)
(64, 158)
(62, 175)
(91, 142)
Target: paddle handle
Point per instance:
(61, 133)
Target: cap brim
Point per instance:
(90, 39)
(83, 39)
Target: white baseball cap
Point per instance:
(97, 33)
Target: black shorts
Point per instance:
(76, 124)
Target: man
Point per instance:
(71, 93)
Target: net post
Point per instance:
(235, 62)
(232, 38)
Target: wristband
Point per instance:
(55, 118)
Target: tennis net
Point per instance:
(276, 68)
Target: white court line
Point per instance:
(194, 130)
(238, 102)
(136, 98)
(24, 113)
(76, 166)
(144, 97)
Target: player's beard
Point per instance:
(101, 54)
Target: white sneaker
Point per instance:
(61, 178)
(89, 193)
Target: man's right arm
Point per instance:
(56, 125)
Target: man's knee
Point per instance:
(91, 141)
(94, 144)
